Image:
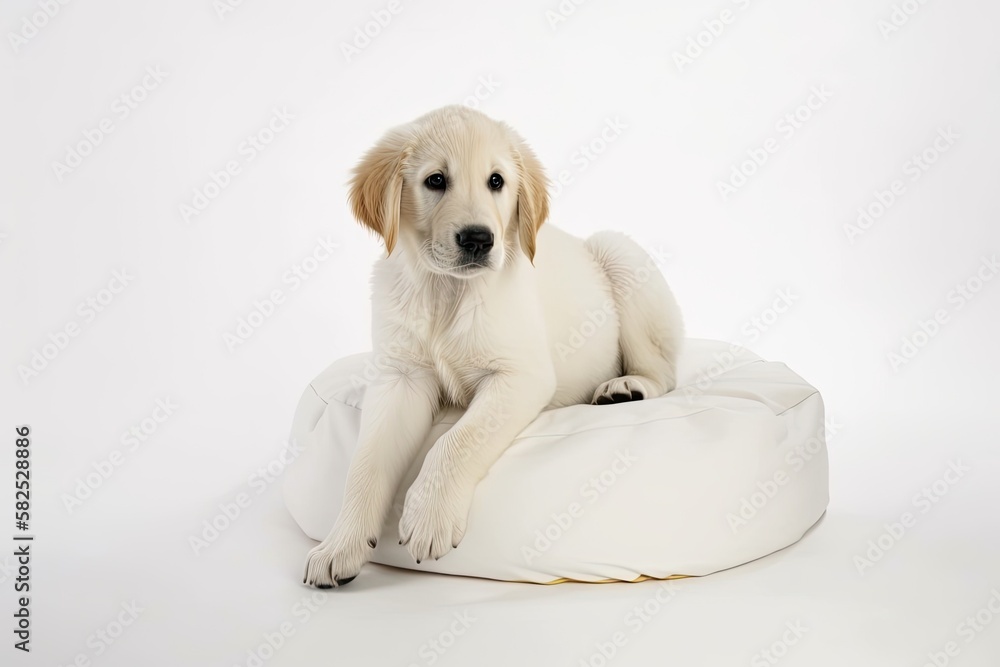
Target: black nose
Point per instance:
(475, 241)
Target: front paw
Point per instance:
(336, 562)
(434, 519)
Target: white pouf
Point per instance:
(729, 467)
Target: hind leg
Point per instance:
(651, 325)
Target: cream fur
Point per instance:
(496, 339)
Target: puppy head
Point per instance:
(460, 191)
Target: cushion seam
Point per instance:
(799, 403)
(601, 428)
(715, 378)
(595, 428)
(325, 402)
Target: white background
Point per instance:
(63, 235)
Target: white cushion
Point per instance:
(729, 467)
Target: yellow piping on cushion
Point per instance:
(642, 577)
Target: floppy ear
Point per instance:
(532, 197)
(377, 187)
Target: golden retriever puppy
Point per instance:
(476, 304)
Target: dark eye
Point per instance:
(435, 182)
(495, 182)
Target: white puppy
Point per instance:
(476, 305)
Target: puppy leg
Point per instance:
(437, 504)
(651, 325)
(399, 408)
